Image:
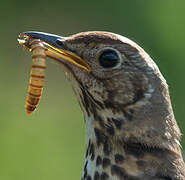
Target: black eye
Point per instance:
(108, 59)
(59, 42)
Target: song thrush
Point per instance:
(131, 130)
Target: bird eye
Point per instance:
(59, 42)
(108, 59)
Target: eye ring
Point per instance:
(109, 58)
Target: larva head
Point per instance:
(113, 74)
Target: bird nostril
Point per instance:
(59, 42)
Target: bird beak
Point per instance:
(54, 48)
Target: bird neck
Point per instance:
(111, 158)
(136, 141)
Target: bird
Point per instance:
(131, 131)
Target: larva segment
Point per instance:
(37, 75)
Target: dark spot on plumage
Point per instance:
(141, 164)
(85, 101)
(106, 162)
(98, 118)
(118, 171)
(100, 136)
(128, 115)
(118, 122)
(134, 149)
(101, 123)
(131, 111)
(107, 147)
(91, 151)
(119, 158)
(92, 156)
(85, 166)
(104, 176)
(138, 95)
(91, 148)
(109, 102)
(110, 129)
(109, 105)
(139, 150)
(167, 178)
(96, 176)
(109, 120)
(85, 170)
(164, 177)
(85, 174)
(86, 154)
(98, 160)
(132, 139)
(88, 147)
(89, 177)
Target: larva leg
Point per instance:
(36, 82)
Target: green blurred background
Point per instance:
(50, 144)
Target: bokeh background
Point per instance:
(50, 143)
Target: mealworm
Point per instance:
(37, 75)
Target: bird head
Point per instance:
(116, 82)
